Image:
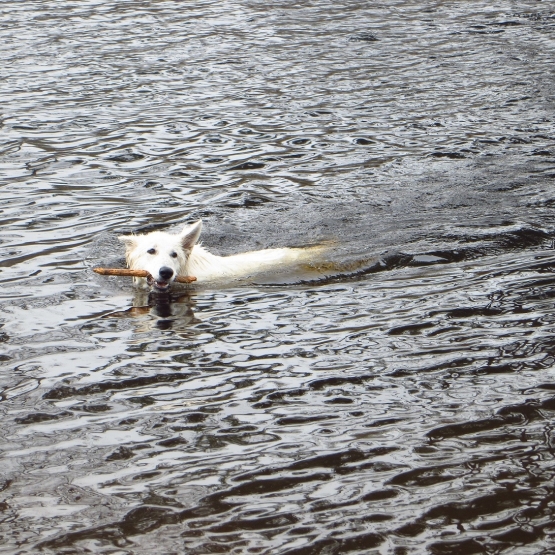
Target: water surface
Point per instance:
(397, 400)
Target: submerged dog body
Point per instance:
(165, 256)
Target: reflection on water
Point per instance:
(398, 398)
(160, 310)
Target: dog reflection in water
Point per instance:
(159, 310)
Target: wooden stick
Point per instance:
(137, 273)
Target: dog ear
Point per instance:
(130, 241)
(190, 234)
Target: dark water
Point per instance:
(402, 400)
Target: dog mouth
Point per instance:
(160, 285)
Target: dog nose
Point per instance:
(165, 273)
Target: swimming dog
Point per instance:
(166, 255)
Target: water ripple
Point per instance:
(396, 396)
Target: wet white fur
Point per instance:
(194, 260)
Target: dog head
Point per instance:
(163, 255)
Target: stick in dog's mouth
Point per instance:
(162, 285)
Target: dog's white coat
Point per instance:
(180, 252)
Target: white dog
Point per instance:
(166, 255)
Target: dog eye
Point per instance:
(173, 255)
(151, 251)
